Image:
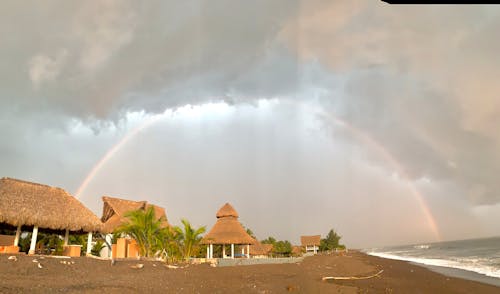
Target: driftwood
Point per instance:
(352, 278)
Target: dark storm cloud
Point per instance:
(95, 59)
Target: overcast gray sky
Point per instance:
(379, 121)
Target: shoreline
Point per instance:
(448, 271)
(461, 274)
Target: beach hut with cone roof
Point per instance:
(227, 231)
(35, 205)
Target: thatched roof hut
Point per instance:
(259, 249)
(32, 204)
(115, 209)
(310, 240)
(227, 229)
(311, 243)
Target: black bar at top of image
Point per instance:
(441, 2)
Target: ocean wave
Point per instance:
(423, 246)
(474, 264)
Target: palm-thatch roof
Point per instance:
(226, 210)
(310, 240)
(227, 229)
(115, 209)
(260, 249)
(32, 204)
(296, 250)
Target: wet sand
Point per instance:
(87, 275)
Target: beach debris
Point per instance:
(137, 266)
(67, 262)
(291, 288)
(40, 266)
(113, 262)
(35, 260)
(352, 278)
(171, 266)
(154, 264)
(57, 257)
(12, 258)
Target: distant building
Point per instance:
(259, 250)
(310, 243)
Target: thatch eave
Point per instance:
(32, 204)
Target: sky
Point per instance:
(376, 120)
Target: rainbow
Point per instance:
(359, 134)
(388, 157)
(113, 150)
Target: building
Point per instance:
(259, 250)
(35, 206)
(310, 243)
(115, 209)
(227, 231)
(114, 214)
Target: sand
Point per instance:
(87, 275)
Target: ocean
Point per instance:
(475, 259)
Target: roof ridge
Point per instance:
(28, 182)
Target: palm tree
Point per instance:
(145, 228)
(168, 243)
(189, 238)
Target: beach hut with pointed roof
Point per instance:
(114, 214)
(115, 209)
(227, 231)
(25, 203)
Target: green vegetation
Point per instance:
(331, 242)
(98, 246)
(143, 226)
(154, 239)
(250, 232)
(280, 248)
(188, 238)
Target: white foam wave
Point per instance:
(424, 246)
(473, 265)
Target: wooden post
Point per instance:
(18, 235)
(223, 250)
(211, 250)
(89, 243)
(208, 251)
(248, 250)
(66, 237)
(33, 240)
(232, 250)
